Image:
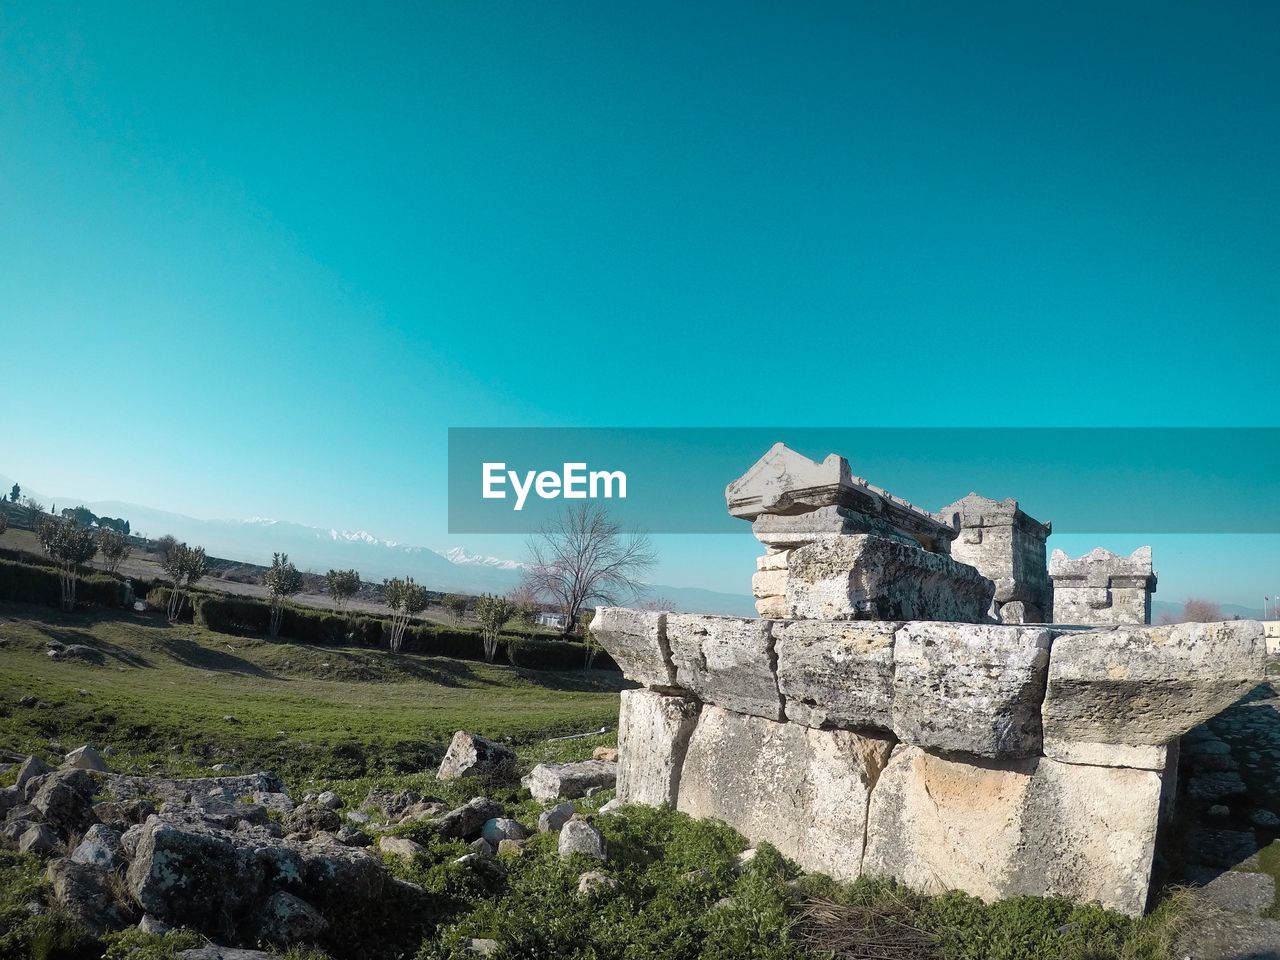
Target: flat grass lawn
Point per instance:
(183, 698)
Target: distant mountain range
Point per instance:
(316, 548)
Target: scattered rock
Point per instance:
(401, 847)
(467, 820)
(500, 828)
(482, 847)
(551, 820)
(309, 820)
(100, 847)
(330, 800)
(353, 837)
(392, 803)
(85, 891)
(744, 859)
(611, 806)
(65, 800)
(31, 768)
(38, 839)
(480, 946)
(511, 848)
(554, 781)
(608, 754)
(149, 924)
(594, 883)
(284, 919)
(1265, 819)
(579, 836)
(212, 951)
(471, 755)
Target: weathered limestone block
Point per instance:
(726, 661)
(804, 791)
(871, 578)
(637, 641)
(836, 673)
(774, 560)
(1035, 827)
(653, 737)
(772, 608)
(768, 583)
(1119, 695)
(471, 755)
(1102, 587)
(786, 483)
(1006, 545)
(970, 688)
(567, 781)
(788, 531)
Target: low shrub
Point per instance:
(32, 583)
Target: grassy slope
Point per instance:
(161, 693)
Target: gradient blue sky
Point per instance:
(255, 259)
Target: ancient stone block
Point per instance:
(471, 755)
(1008, 547)
(836, 673)
(871, 578)
(970, 688)
(786, 483)
(566, 781)
(772, 608)
(653, 737)
(769, 583)
(637, 641)
(1102, 587)
(803, 790)
(727, 661)
(1145, 686)
(1034, 827)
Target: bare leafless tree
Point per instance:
(1196, 610)
(582, 557)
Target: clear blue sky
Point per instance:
(255, 259)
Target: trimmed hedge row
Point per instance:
(28, 583)
(247, 616)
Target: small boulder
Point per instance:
(153, 925)
(85, 891)
(31, 768)
(467, 820)
(85, 758)
(329, 799)
(38, 839)
(471, 755)
(481, 946)
(498, 829)
(611, 806)
(393, 804)
(483, 847)
(594, 883)
(555, 781)
(65, 800)
(353, 837)
(284, 919)
(608, 754)
(401, 847)
(579, 836)
(309, 820)
(551, 820)
(511, 848)
(100, 847)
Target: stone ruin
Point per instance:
(875, 721)
(1102, 587)
(1007, 546)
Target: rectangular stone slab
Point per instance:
(861, 577)
(653, 737)
(1146, 686)
(727, 661)
(804, 791)
(836, 673)
(970, 688)
(1034, 826)
(637, 641)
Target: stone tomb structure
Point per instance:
(1007, 546)
(1102, 587)
(991, 758)
(875, 720)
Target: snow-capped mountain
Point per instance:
(459, 555)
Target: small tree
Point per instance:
(342, 586)
(72, 546)
(1196, 610)
(45, 526)
(185, 566)
(283, 580)
(492, 613)
(583, 558)
(14, 493)
(114, 547)
(406, 600)
(455, 606)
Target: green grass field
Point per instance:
(160, 693)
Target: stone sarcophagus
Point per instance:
(991, 758)
(1102, 587)
(1008, 546)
